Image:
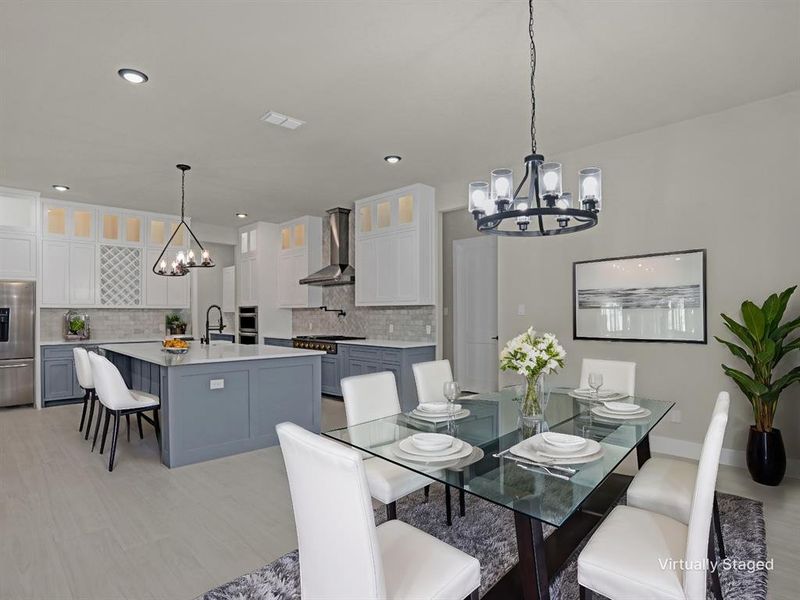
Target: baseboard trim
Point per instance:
(735, 458)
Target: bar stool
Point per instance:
(83, 369)
(118, 400)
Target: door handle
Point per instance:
(14, 366)
(497, 337)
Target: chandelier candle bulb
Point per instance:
(205, 257)
(550, 176)
(502, 187)
(591, 190)
(478, 197)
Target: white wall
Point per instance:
(727, 182)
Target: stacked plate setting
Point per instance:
(602, 395)
(558, 449)
(438, 411)
(620, 410)
(431, 448)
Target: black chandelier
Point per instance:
(183, 262)
(500, 210)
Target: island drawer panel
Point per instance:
(284, 385)
(146, 377)
(63, 351)
(365, 353)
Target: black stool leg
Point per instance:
(97, 425)
(391, 511)
(92, 401)
(462, 509)
(105, 431)
(114, 437)
(128, 419)
(718, 528)
(83, 412)
(427, 491)
(139, 423)
(157, 426)
(585, 593)
(448, 509)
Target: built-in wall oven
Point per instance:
(248, 325)
(17, 338)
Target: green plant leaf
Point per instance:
(737, 351)
(782, 351)
(754, 319)
(745, 382)
(783, 301)
(785, 329)
(783, 382)
(770, 310)
(767, 354)
(740, 331)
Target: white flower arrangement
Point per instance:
(531, 355)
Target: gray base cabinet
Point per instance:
(270, 341)
(59, 379)
(361, 360)
(331, 375)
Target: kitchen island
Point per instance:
(223, 398)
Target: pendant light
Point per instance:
(181, 264)
(500, 210)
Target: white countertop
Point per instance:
(386, 343)
(99, 341)
(202, 353)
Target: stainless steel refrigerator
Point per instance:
(17, 337)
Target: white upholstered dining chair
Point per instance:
(367, 398)
(618, 375)
(83, 369)
(636, 553)
(343, 555)
(118, 401)
(666, 485)
(430, 378)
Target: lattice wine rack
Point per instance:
(120, 276)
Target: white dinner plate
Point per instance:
(432, 441)
(466, 450)
(563, 441)
(538, 444)
(607, 414)
(437, 418)
(604, 396)
(436, 407)
(525, 450)
(621, 407)
(407, 445)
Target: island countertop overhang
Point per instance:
(202, 353)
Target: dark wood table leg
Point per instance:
(533, 571)
(462, 507)
(643, 450)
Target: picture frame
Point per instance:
(659, 297)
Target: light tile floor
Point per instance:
(71, 529)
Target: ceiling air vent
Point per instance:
(276, 118)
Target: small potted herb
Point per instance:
(175, 324)
(76, 326)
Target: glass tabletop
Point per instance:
(493, 425)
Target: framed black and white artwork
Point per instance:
(645, 298)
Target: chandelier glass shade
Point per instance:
(182, 261)
(545, 208)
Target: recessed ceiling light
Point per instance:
(132, 75)
(60, 188)
(392, 159)
(241, 215)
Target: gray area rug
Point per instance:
(487, 533)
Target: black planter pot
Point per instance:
(766, 456)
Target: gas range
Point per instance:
(326, 343)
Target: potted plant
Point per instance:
(765, 345)
(175, 324)
(533, 357)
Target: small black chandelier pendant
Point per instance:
(183, 262)
(545, 209)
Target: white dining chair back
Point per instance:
(369, 397)
(694, 580)
(109, 384)
(339, 552)
(618, 375)
(430, 378)
(83, 368)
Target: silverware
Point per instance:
(543, 470)
(525, 461)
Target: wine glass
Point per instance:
(451, 391)
(596, 382)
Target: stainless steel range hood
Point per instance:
(339, 272)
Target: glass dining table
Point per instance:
(572, 503)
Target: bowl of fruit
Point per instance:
(175, 346)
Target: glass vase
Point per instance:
(535, 401)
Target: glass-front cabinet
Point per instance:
(68, 222)
(300, 255)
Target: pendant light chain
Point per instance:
(183, 193)
(533, 75)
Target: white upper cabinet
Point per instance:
(55, 273)
(82, 279)
(18, 209)
(300, 255)
(121, 228)
(164, 292)
(68, 221)
(395, 248)
(18, 226)
(229, 289)
(159, 230)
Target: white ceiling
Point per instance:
(444, 84)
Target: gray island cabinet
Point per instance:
(224, 398)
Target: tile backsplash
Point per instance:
(409, 322)
(108, 323)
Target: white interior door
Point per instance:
(475, 313)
